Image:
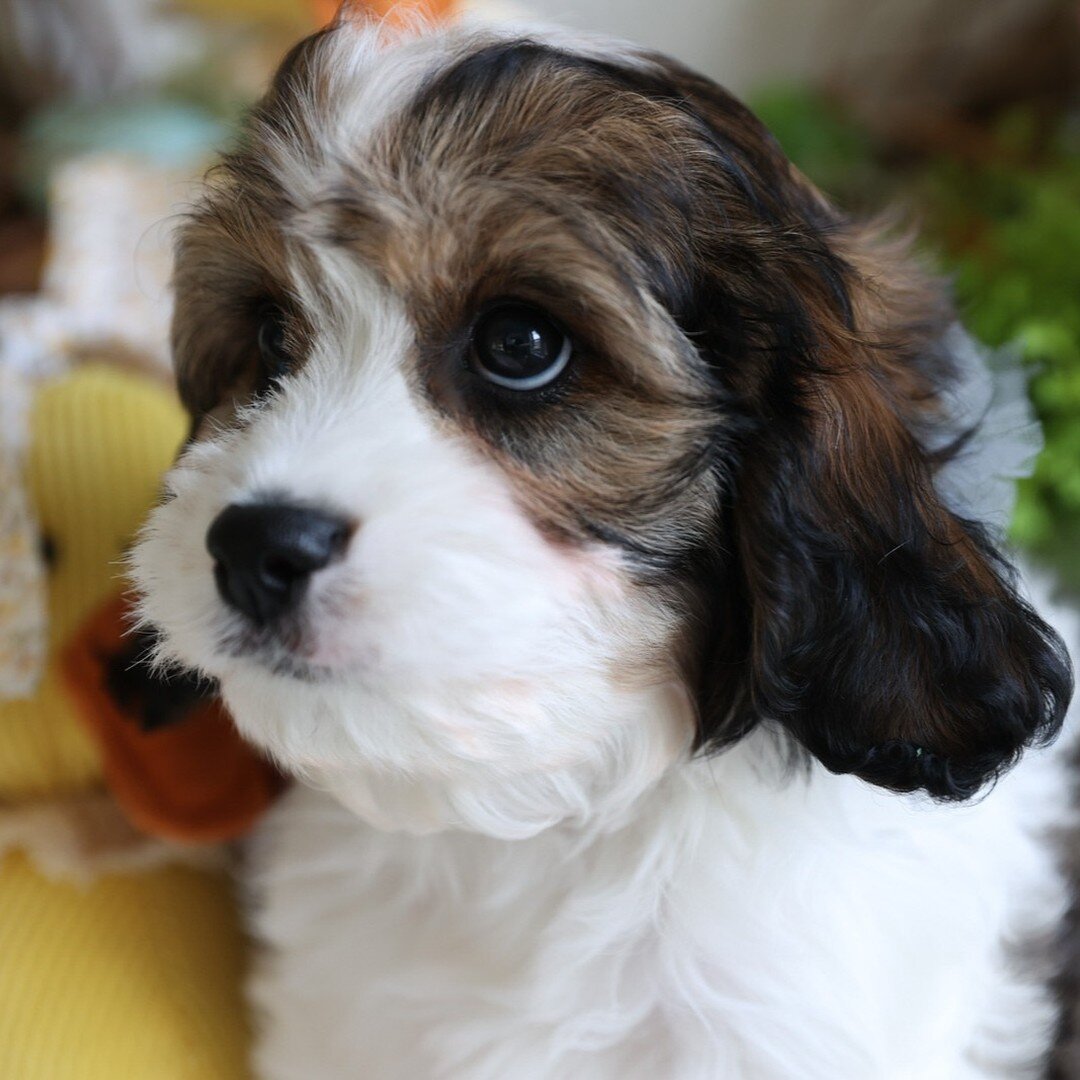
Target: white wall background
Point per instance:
(744, 42)
(738, 42)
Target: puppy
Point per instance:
(568, 509)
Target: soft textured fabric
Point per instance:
(193, 780)
(134, 976)
(99, 440)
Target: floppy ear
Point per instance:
(849, 603)
(886, 632)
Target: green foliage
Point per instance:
(831, 150)
(1007, 231)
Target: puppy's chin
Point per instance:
(508, 759)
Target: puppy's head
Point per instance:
(549, 425)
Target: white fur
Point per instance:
(745, 923)
(501, 860)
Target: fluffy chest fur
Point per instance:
(742, 923)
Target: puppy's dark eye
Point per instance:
(273, 349)
(518, 347)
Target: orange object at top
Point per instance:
(394, 11)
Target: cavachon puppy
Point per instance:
(576, 506)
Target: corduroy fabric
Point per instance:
(100, 440)
(135, 977)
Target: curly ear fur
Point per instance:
(847, 602)
(887, 633)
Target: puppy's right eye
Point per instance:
(273, 347)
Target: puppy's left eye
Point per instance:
(273, 349)
(518, 347)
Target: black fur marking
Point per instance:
(858, 639)
(903, 766)
(482, 74)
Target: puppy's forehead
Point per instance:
(465, 146)
(340, 87)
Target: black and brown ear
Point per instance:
(883, 630)
(850, 604)
(886, 633)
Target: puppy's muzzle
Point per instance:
(266, 553)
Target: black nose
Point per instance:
(265, 553)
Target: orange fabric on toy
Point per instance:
(194, 780)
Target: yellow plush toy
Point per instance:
(134, 971)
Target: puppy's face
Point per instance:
(548, 424)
